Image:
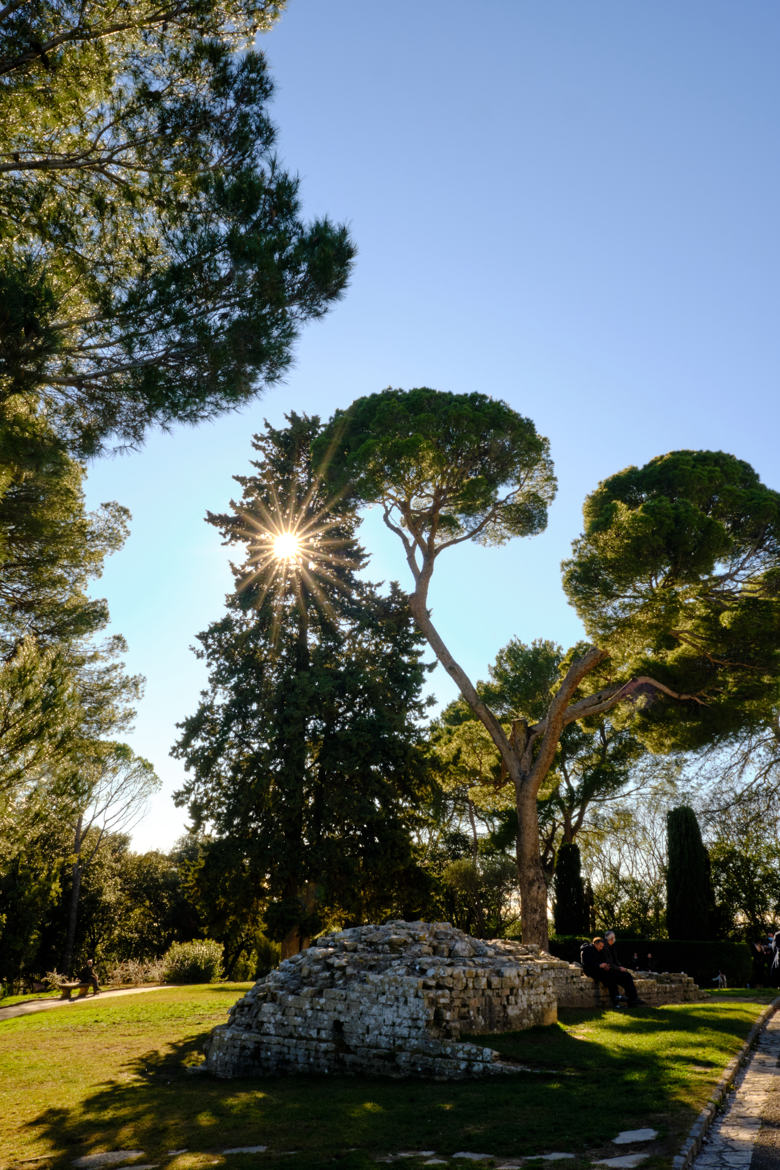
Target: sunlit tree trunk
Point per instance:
(75, 893)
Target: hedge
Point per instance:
(701, 960)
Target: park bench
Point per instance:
(68, 988)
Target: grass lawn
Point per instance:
(105, 1075)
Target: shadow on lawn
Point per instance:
(156, 1105)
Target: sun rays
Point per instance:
(300, 550)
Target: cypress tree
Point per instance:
(569, 906)
(689, 896)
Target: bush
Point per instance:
(133, 972)
(199, 961)
(258, 962)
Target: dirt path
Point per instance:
(46, 1005)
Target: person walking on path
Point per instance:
(596, 964)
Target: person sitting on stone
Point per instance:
(596, 964)
(88, 976)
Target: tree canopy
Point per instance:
(63, 694)
(153, 262)
(676, 578)
(449, 467)
(50, 546)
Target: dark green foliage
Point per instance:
(30, 887)
(62, 696)
(305, 758)
(593, 762)
(746, 883)
(466, 463)
(153, 261)
(570, 910)
(689, 898)
(153, 909)
(629, 904)
(744, 846)
(700, 960)
(50, 546)
(595, 756)
(677, 575)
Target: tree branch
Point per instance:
(551, 727)
(419, 608)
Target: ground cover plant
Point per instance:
(107, 1074)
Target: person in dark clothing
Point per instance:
(611, 956)
(774, 961)
(596, 963)
(759, 953)
(88, 975)
(609, 948)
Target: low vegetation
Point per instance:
(118, 1074)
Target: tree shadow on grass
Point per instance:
(580, 1095)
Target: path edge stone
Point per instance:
(701, 1125)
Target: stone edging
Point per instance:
(701, 1126)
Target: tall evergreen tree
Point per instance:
(569, 906)
(304, 755)
(689, 898)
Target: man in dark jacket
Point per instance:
(597, 964)
(88, 976)
(610, 954)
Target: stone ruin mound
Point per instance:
(387, 999)
(395, 1000)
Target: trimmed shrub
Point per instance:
(199, 961)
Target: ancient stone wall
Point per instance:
(574, 989)
(387, 999)
(395, 999)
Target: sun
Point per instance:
(286, 546)
(301, 553)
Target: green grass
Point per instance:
(112, 1074)
(28, 997)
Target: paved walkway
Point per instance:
(746, 1135)
(45, 1005)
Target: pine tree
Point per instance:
(304, 754)
(689, 897)
(676, 578)
(154, 264)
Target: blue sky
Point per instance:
(569, 206)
